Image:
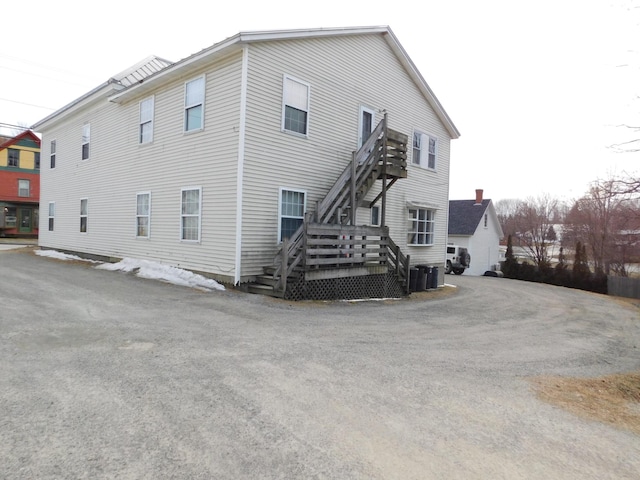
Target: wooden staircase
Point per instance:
(329, 244)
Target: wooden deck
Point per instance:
(329, 245)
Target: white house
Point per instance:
(222, 163)
(474, 224)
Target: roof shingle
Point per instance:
(465, 215)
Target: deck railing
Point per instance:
(321, 246)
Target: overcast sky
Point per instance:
(537, 89)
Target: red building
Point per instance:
(19, 185)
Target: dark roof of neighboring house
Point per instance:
(465, 216)
(27, 135)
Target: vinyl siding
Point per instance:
(344, 73)
(119, 167)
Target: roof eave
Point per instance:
(228, 45)
(99, 92)
(406, 61)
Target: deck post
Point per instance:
(383, 208)
(285, 264)
(353, 188)
(407, 277)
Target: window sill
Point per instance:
(422, 167)
(295, 134)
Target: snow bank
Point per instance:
(166, 273)
(62, 256)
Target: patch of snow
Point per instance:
(166, 273)
(62, 256)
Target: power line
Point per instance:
(46, 77)
(27, 104)
(41, 65)
(10, 125)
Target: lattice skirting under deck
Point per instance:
(348, 288)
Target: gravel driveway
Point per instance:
(105, 375)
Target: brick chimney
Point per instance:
(478, 196)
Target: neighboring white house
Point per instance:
(474, 224)
(210, 162)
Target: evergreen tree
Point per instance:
(581, 273)
(561, 275)
(510, 264)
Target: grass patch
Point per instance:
(612, 399)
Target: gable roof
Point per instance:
(131, 76)
(237, 42)
(465, 216)
(27, 136)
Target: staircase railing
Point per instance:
(374, 158)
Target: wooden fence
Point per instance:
(623, 287)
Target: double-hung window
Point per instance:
(421, 226)
(36, 160)
(52, 215)
(24, 188)
(194, 105)
(52, 154)
(86, 140)
(13, 159)
(295, 106)
(146, 120)
(424, 150)
(190, 214)
(291, 212)
(84, 214)
(143, 214)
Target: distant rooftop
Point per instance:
(465, 216)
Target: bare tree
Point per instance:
(601, 219)
(534, 224)
(506, 210)
(631, 145)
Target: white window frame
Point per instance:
(281, 214)
(370, 111)
(52, 216)
(184, 216)
(374, 223)
(84, 214)
(425, 157)
(143, 215)
(296, 104)
(22, 189)
(421, 230)
(86, 141)
(198, 102)
(146, 120)
(52, 154)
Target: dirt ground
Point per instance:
(107, 375)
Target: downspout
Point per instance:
(240, 173)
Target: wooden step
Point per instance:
(264, 290)
(266, 280)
